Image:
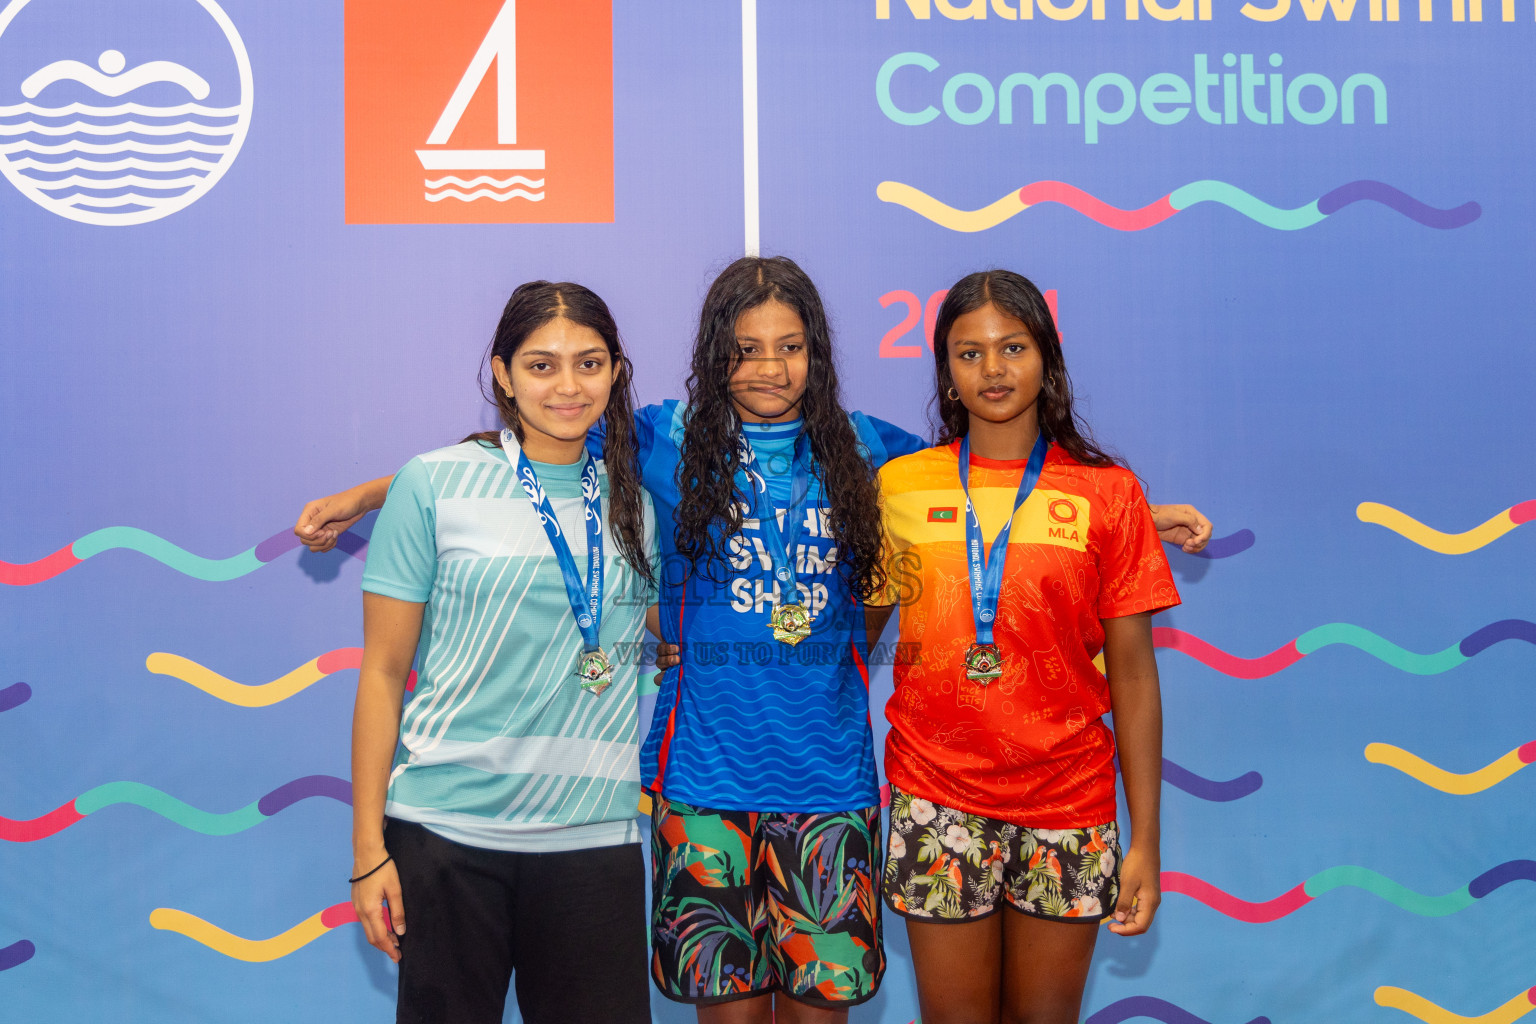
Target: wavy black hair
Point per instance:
(531, 306)
(1014, 295)
(710, 510)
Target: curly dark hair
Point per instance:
(710, 510)
(531, 306)
(1014, 295)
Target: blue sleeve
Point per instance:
(402, 553)
(645, 434)
(885, 441)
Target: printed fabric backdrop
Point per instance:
(251, 252)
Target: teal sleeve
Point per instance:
(885, 441)
(402, 553)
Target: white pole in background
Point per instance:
(749, 123)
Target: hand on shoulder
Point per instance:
(1183, 525)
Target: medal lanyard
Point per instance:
(987, 576)
(586, 601)
(780, 544)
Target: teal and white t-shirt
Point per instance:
(500, 747)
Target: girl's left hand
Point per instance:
(1182, 525)
(1140, 893)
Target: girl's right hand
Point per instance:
(325, 520)
(380, 908)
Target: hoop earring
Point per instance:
(952, 395)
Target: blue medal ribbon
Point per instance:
(987, 575)
(586, 598)
(780, 543)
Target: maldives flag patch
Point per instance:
(943, 515)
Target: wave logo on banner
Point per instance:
(482, 111)
(120, 113)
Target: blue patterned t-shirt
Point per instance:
(746, 722)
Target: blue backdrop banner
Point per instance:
(252, 251)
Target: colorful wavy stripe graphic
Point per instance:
(213, 570)
(1354, 877)
(1314, 640)
(14, 696)
(1178, 200)
(1446, 543)
(172, 809)
(1412, 1002)
(1211, 789)
(258, 951)
(1435, 777)
(260, 695)
(16, 954)
(1150, 1006)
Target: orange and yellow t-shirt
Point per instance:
(1031, 747)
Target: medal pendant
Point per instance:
(983, 663)
(595, 671)
(790, 623)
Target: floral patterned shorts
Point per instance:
(947, 865)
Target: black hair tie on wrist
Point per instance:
(365, 874)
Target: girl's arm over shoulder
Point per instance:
(1137, 705)
(326, 519)
(1182, 525)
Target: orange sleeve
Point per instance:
(893, 546)
(1134, 575)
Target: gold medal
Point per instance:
(595, 671)
(790, 623)
(983, 663)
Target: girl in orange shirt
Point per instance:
(1019, 551)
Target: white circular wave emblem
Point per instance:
(108, 160)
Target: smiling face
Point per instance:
(996, 366)
(560, 377)
(769, 382)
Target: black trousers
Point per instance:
(570, 927)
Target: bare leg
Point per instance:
(791, 1011)
(1045, 966)
(769, 1009)
(757, 1010)
(958, 967)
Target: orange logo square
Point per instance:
(479, 111)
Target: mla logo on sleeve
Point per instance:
(479, 111)
(116, 113)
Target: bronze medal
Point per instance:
(983, 663)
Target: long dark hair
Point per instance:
(532, 306)
(1014, 295)
(709, 513)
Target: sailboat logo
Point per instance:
(123, 136)
(500, 46)
(480, 111)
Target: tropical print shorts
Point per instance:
(744, 903)
(947, 865)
